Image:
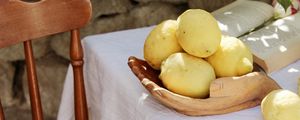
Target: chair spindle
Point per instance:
(36, 107)
(76, 54)
(1, 112)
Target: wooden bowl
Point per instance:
(228, 94)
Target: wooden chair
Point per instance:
(21, 22)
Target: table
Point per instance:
(114, 93)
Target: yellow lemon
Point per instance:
(160, 43)
(281, 105)
(187, 75)
(198, 32)
(233, 58)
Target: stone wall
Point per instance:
(52, 52)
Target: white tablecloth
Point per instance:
(114, 93)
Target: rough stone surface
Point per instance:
(51, 71)
(142, 15)
(170, 1)
(60, 44)
(16, 52)
(266, 1)
(153, 13)
(10, 113)
(15, 113)
(208, 5)
(6, 83)
(111, 23)
(108, 7)
(211, 5)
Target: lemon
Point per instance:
(198, 32)
(233, 58)
(160, 43)
(187, 75)
(281, 105)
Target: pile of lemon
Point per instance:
(191, 52)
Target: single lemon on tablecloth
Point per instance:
(233, 58)
(187, 75)
(198, 32)
(281, 105)
(160, 43)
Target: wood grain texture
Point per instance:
(35, 99)
(21, 21)
(227, 94)
(2, 2)
(76, 54)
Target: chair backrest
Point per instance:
(21, 22)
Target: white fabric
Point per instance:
(114, 93)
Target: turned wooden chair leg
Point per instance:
(1, 112)
(76, 54)
(34, 93)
